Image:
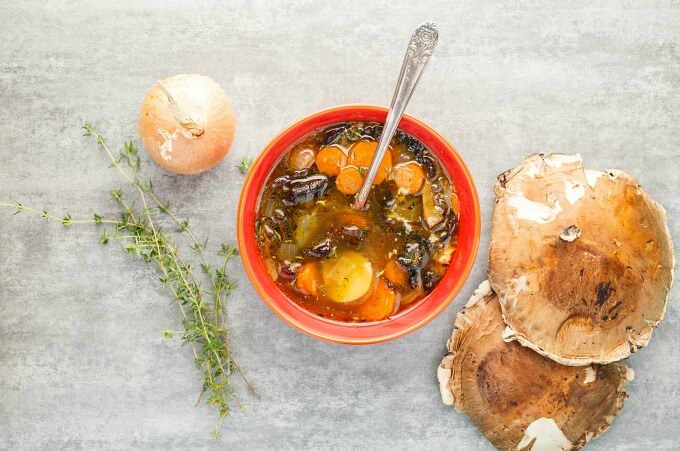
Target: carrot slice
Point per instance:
(455, 204)
(409, 177)
(330, 160)
(349, 180)
(385, 168)
(361, 154)
(380, 304)
(309, 278)
(348, 218)
(395, 273)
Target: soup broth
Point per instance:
(349, 265)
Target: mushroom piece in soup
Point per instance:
(349, 265)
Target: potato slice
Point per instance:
(308, 223)
(347, 277)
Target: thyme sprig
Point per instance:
(244, 165)
(203, 309)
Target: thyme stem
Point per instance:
(218, 362)
(202, 316)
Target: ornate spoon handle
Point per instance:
(418, 53)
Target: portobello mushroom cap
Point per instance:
(518, 398)
(582, 260)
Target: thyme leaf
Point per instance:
(244, 165)
(202, 309)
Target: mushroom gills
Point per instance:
(595, 254)
(518, 398)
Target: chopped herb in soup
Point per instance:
(349, 265)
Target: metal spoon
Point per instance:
(418, 53)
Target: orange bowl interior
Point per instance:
(369, 332)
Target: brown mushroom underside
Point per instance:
(516, 396)
(582, 261)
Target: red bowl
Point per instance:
(369, 332)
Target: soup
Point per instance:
(349, 265)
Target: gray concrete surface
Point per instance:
(81, 358)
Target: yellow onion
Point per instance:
(187, 123)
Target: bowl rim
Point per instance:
(383, 329)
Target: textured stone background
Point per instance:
(81, 358)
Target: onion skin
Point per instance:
(186, 123)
